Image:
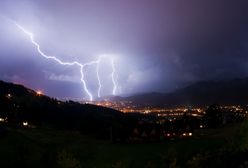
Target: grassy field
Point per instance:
(42, 147)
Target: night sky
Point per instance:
(158, 45)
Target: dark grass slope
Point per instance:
(41, 147)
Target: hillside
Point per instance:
(44, 147)
(200, 93)
(19, 104)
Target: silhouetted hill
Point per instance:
(19, 91)
(200, 93)
(19, 104)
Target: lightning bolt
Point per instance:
(31, 36)
(81, 66)
(99, 81)
(113, 74)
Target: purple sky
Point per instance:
(158, 45)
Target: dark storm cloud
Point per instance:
(207, 38)
(160, 44)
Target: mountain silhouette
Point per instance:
(203, 93)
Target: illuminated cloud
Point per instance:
(207, 39)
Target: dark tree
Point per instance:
(214, 116)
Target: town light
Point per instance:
(8, 95)
(25, 123)
(39, 93)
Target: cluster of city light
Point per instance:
(187, 134)
(166, 112)
(184, 134)
(129, 107)
(76, 63)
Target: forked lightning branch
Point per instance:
(80, 65)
